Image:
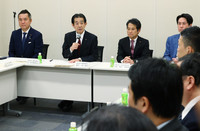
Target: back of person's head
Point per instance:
(191, 37)
(160, 82)
(80, 15)
(190, 66)
(188, 18)
(25, 11)
(135, 22)
(119, 118)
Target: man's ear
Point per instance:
(139, 30)
(190, 82)
(145, 104)
(190, 50)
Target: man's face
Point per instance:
(182, 24)
(182, 50)
(132, 31)
(24, 21)
(79, 25)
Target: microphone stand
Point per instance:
(14, 14)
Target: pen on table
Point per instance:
(51, 60)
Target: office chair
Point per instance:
(44, 56)
(151, 53)
(100, 53)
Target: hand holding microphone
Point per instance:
(75, 44)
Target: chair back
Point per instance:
(45, 49)
(100, 53)
(151, 53)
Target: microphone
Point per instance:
(14, 13)
(78, 38)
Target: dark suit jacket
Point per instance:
(191, 120)
(141, 50)
(33, 44)
(88, 50)
(174, 125)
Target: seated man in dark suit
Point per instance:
(190, 67)
(156, 89)
(85, 49)
(79, 45)
(25, 42)
(132, 48)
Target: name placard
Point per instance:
(81, 64)
(122, 65)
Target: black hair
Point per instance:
(191, 37)
(190, 66)
(188, 17)
(120, 118)
(160, 82)
(78, 16)
(135, 22)
(25, 11)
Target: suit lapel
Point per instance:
(28, 38)
(19, 39)
(84, 42)
(137, 46)
(127, 46)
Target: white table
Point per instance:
(108, 82)
(55, 81)
(96, 82)
(8, 81)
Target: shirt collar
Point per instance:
(26, 31)
(163, 124)
(189, 106)
(135, 40)
(81, 35)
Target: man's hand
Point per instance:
(74, 46)
(175, 60)
(74, 60)
(128, 59)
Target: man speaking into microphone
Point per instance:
(79, 45)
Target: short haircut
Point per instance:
(25, 11)
(135, 22)
(190, 66)
(120, 118)
(191, 37)
(78, 16)
(188, 18)
(160, 82)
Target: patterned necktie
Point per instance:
(132, 47)
(23, 41)
(79, 47)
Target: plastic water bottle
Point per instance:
(112, 61)
(73, 126)
(40, 57)
(125, 97)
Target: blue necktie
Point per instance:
(23, 40)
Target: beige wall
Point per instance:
(106, 19)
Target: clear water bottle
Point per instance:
(40, 57)
(73, 126)
(125, 97)
(112, 61)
